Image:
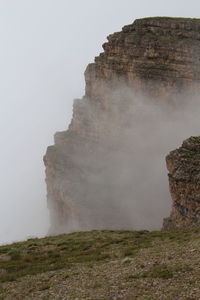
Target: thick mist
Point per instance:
(144, 131)
(116, 178)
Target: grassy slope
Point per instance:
(103, 265)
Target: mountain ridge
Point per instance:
(153, 60)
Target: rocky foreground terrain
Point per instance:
(103, 265)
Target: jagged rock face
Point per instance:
(155, 57)
(184, 180)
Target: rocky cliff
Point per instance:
(184, 179)
(90, 172)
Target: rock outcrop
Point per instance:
(157, 57)
(184, 180)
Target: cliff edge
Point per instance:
(184, 180)
(90, 171)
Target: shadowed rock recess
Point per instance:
(90, 171)
(184, 179)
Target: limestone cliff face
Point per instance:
(153, 56)
(161, 52)
(158, 56)
(184, 180)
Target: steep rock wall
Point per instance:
(184, 180)
(157, 57)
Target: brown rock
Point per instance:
(184, 180)
(153, 56)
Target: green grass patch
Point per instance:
(95, 247)
(14, 253)
(162, 271)
(159, 271)
(44, 287)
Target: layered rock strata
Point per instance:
(152, 52)
(184, 180)
(157, 57)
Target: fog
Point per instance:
(120, 181)
(144, 131)
(45, 47)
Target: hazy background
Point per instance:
(45, 48)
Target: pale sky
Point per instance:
(45, 48)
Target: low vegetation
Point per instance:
(103, 265)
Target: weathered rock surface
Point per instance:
(184, 180)
(152, 52)
(155, 56)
